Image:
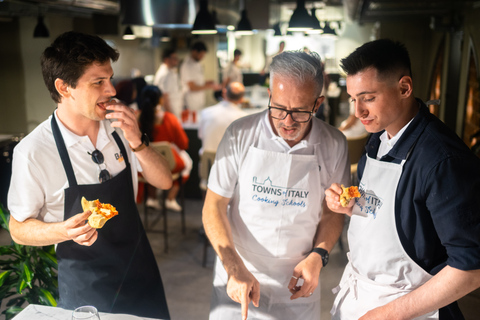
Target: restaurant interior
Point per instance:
(441, 35)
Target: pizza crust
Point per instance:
(101, 213)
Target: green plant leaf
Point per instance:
(4, 275)
(4, 250)
(50, 259)
(47, 297)
(4, 219)
(22, 285)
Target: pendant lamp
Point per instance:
(276, 29)
(300, 19)
(328, 31)
(244, 26)
(128, 34)
(204, 23)
(41, 30)
(316, 29)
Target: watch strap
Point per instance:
(323, 253)
(143, 145)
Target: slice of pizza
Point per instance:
(348, 194)
(101, 212)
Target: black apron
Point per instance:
(118, 273)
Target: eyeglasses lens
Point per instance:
(104, 176)
(98, 158)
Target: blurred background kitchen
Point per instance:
(441, 35)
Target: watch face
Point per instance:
(145, 139)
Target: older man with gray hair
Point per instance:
(264, 211)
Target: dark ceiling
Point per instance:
(383, 10)
(361, 11)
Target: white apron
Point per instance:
(379, 269)
(273, 230)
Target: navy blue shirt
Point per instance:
(437, 207)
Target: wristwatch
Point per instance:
(323, 253)
(143, 145)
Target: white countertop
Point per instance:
(39, 312)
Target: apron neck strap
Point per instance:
(62, 150)
(121, 146)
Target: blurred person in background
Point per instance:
(232, 72)
(166, 78)
(214, 120)
(160, 125)
(193, 78)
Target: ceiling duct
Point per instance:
(79, 8)
(174, 13)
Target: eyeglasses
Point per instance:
(97, 157)
(297, 116)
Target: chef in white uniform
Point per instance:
(264, 211)
(413, 236)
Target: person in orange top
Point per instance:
(161, 125)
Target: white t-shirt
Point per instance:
(214, 121)
(233, 72)
(167, 80)
(39, 179)
(192, 70)
(255, 129)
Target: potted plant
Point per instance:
(27, 274)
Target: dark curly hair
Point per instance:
(68, 57)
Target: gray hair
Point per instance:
(298, 66)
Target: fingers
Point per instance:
(80, 231)
(245, 300)
(293, 282)
(255, 294)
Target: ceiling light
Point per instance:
(41, 30)
(316, 29)
(204, 23)
(128, 34)
(300, 19)
(244, 26)
(276, 29)
(328, 31)
(164, 36)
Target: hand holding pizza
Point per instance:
(338, 198)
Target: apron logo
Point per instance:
(119, 157)
(267, 192)
(369, 202)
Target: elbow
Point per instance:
(14, 231)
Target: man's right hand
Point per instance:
(332, 198)
(79, 231)
(243, 287)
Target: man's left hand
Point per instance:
(125, 120)
(309, 270)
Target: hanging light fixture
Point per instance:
(316, 29)
(41, 30)
(164, 36)
(300, 19)
(244, 26)
(128, 34)
(204, 23)
(276, 29)
(328, 31)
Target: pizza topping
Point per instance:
(105, 209)
(348, 194)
